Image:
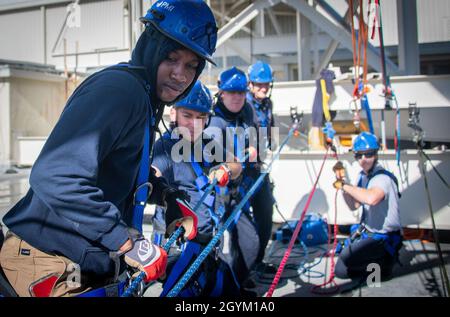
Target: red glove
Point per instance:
(148, 258)
(179, 213)
(222, 173)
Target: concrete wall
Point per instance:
(31, 102)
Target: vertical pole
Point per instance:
(44, 33)
(76, 64)
(299, 46)
(408, 46)
(222, 20)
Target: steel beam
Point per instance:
(339, 33)
(236, 23)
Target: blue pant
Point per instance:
(262, 204)
(354, 259)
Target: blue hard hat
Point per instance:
(188, 22)
(199, 99)
(260, 72)
(233, 79)
(365, 141)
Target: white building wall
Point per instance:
(102, 28)
(433, 20)
(21, 36)
(105, 27)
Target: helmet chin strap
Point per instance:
(270, 90)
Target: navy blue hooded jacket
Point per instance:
(81, 187)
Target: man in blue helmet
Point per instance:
(83, 213)
(260, 76)
(233, 120)
(193, 172)
(378, 237)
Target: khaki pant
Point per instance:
(24, 266)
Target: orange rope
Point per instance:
(360, 51)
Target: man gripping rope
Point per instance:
(378, 238)
(90, 183)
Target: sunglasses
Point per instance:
(367, 155)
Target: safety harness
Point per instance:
(262, 109)
(392, 240)
(143, 186)
(202, 182)
(206, 279)
(380, 172)
(205, 282)
(247, 181)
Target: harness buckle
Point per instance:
(139, 290)
(150, 190)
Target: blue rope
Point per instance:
(205, 194)
(138, 280)
(194, 267)
(306, 270)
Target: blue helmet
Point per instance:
(233, 79)
(199, 99)
(188, 22)
(365, 141)
(260, 72)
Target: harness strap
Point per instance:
(381, 172)
(191, 249)
(217, 291)
(391, 240)
(262, 113)
(112, 290)
(143, 187)
(202, 182)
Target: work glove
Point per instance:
(339, 170)
(220, 172)
(339, 184)
(145, 257)
(179, 213)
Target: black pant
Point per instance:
(262, 204)
(354, 259)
